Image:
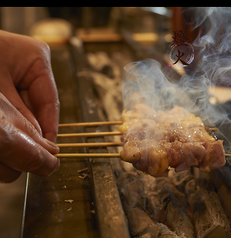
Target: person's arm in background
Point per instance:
(29, 108)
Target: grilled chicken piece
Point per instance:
(154, 140)
(155, 158)
(176, 124)
(148, 129)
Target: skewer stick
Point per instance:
(88, 155)
(91, 134)
(213, 128)
(91, 155)
(101, 144)
(99, 123)
(98, 155)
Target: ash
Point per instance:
(180, 205)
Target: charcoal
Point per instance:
(108, 71)
(153, 186)
(101, 62)
(147, 235)
(165, 232)
(177, 217)
(131, 190)
(165, 182)
(208, 214)
(141, 225)
(111, 99)
(98, 60)
(154, 206)
(134, 199)
(180, 179)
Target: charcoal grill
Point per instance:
(68, 204)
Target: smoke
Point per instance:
(213, 43)
(145, 82)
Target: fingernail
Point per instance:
(52, 144)
(56, 167)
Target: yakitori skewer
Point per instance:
(93, 134)
(102, 123)
(212, 128)
(88, 155)
(90, 134)
(86, 124)
(100, 144)
(95, 155)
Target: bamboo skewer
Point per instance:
(91, 134)
(213, 128)
(102, 123)
(101, 144)
(86, 124)
(95, 155)
(99, 123)
(94, 134)
(88, 155)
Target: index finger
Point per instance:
(43, 96)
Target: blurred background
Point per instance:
(137, 19)
(146, 29)
(85, 20)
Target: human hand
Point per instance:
(27, 81)
(22, 148)
(27, 86)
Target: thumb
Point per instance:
(21, 153)
(19, 121)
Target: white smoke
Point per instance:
(146, 83)
(213, 43)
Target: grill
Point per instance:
(81, 199)
(46, 212)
